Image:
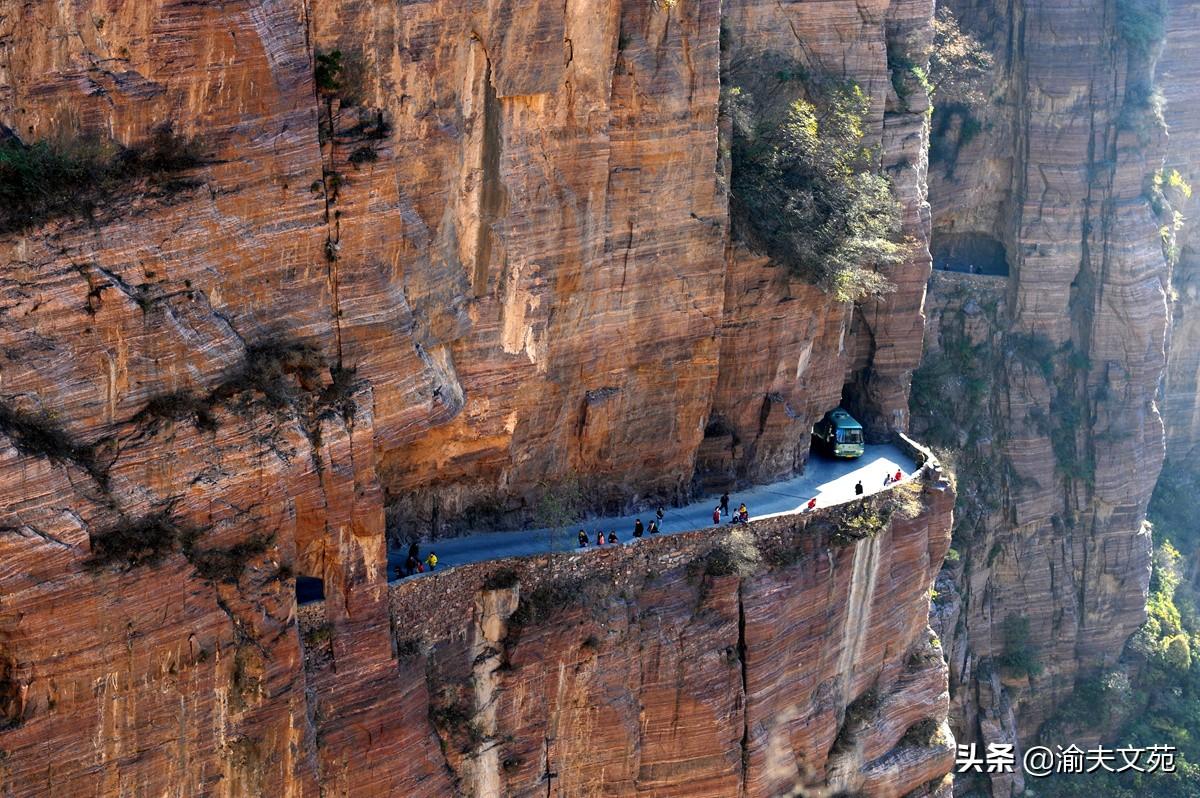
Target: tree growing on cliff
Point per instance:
(559, 506)
(960, 66)
(805, 189)
(77, 174)
(960, 74)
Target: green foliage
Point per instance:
(1068, 418)
(1018, 657)
(340, 75)
(1173, 507)
(804, 188)
(960, 66)
(1166, 189)
(73, 176)
(1141, 24)
(318, 636)
(1162, 638)
(560, 505)
(1162, 705)
(540, 604)
(904, 72)
(1034, 350)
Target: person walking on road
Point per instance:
(638, 529)
(414, 558)
(658, 516)
(583, 539)
(717, 515)
(600, 538)
(858, 488)
(431, 561)
(724, 504)
(812, 503)
(653, 527)
(612, 536)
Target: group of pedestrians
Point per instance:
(414, 564)
(888, 479)
(639, 530)
(740, 517)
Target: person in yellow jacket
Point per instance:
(431, 561)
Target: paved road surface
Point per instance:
(831, 481)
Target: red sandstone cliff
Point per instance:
(1047, 378)
(500, 256)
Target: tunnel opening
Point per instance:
(969, 253)
(309, 589)
(838, 435)
(10, 694)
(717, 458)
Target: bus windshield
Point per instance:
(849, 436)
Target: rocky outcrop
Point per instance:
(1051, 374)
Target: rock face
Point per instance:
(1180, 81)
(1055, 401)
(489, 246)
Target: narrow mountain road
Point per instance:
(830, 481)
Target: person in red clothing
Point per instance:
(717, 515)
(812, 502)
(899, 475)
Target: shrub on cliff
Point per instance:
(74, 175)
(960, 66)
(1018, 656)
(805, 189)
(960, 73)
(341, 75)
(1141, 24)
(143, 541)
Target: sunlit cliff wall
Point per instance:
(500, 254)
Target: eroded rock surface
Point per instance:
(493, 251)
(1058, 362)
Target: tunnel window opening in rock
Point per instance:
(309, 589)
(10, 713)
(969, 253)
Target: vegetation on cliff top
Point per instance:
(805, 188)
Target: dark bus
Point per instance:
(840, 435)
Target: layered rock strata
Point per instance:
(490, 250)
(1059, 363)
